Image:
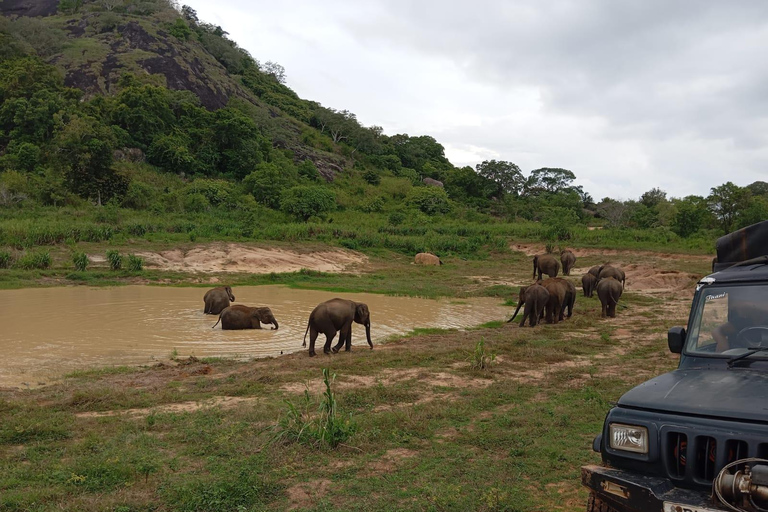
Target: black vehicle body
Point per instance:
(709, 412)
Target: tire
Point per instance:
(595, 504)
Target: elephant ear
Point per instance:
(361, 311)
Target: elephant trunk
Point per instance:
(274, 322)
(516, 311)
(368, 333)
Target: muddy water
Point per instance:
(48, 332)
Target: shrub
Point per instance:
(135, 263)
(41, 260)
(372, 177)
(6, 260)
(114, 259)
(396, 218)
(80, 259)
(430, 200)
(306, 201)
(481, 359)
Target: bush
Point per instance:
(372, 177)
(430, 200)
(40, 260)
(114, 259)
(396, 218)
(306, 201)
(6, 260)
(80, 259)
(135, 263)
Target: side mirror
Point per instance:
(676, 339)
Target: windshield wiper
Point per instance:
(750, 351)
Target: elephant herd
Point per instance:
(550, 298)
(328, 318)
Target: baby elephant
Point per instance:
(535, 297)
(337, 315)
(244, 317)
(217, 299)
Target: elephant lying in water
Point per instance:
(337, 315)
(217, 299)
(244, 317)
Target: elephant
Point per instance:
(245, 317)
(588, 283)
(570, 296)
(558, 289)
(568, 259)
(535, 298)
(609, 291)
(337, 315)
(545, 264)
(595, 271)
(425, 258)
(614, 272)
(217, 299)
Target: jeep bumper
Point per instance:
(631, 492)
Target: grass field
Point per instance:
(417, 423)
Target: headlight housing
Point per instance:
(628, 438)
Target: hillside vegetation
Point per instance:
(130, 120)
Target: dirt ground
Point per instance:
(233, 257)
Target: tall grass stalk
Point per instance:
(115, 259)
(80, 259)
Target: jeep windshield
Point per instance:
(730, 321)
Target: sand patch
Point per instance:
(224, 402)
(255, 260)
(391, 460)
(306, 494)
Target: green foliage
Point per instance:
(481, 359)
(6, 259)
(396, 218)
(269, 180)
(139, 196)
(35, 260)
(507, 176)
(114, 259)
(726, 203)
(430, 200)
(307, 170)
(372, 177)
(324, 428)
(135, 263)
(80, 260)
(305, 201)
(180, 29)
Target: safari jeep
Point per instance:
(696, 439)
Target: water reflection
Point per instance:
(47, 332)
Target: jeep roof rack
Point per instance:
(748, 245)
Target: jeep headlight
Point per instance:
(629, 438)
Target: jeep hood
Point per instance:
(738, 394)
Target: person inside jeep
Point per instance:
(732, 318)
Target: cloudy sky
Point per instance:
(629, 95)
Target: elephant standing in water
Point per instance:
(588, 283)
(609, 291)
(568, 259)
(244, 317)
(545, 264)
(337, 315)
(217, 299)
(535, 298)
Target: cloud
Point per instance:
(628, 95)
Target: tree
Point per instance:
(548, 179)
(506, 175)
(276, 70)
(726, 202)
(430, 200)
(758, 188)
(189, 14)
(653, 197)
(690, 216)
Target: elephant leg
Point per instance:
(342, 339)
(328, 341)
(312, 338)
(348, 346)
(604, 309)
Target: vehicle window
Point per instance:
(729, 319)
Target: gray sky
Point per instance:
(629, 95)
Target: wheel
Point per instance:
(595, 504)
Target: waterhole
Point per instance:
(48, 332)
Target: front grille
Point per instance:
(698, 457)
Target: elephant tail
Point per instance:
(305, 336)
(217, 321)
(535, 264)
